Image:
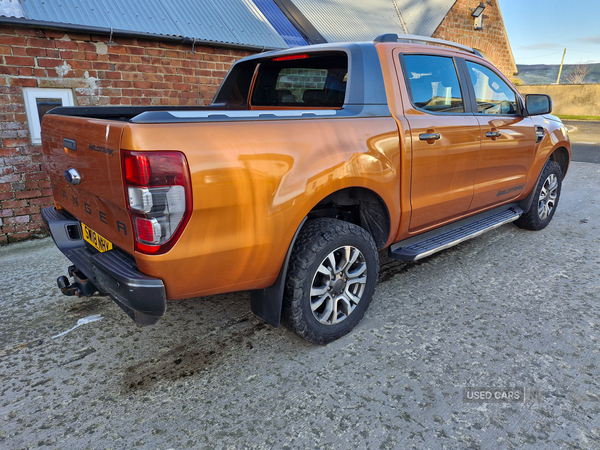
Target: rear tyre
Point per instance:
(545, 199)
(331, 279)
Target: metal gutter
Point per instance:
(128, 33)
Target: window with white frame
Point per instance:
(38, 101)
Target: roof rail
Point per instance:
(392, 37)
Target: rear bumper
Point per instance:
(142, 297)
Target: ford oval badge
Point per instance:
(72, 176)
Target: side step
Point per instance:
(414, 249)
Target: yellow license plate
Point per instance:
(98, 242)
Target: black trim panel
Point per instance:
(123, 113)
(466, 86)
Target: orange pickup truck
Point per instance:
(308, 161)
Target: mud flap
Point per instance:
(267, 303)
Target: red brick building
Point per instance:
(491, 40)
(127, 72)
(48, 59)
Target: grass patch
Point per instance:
(579, 117)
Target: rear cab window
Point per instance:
(301, 81)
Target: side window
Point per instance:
(38, 101)
(492, 93)
(434, 83)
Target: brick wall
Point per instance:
(492, 40)
(126, 72)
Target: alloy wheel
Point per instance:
(338, 285)
(548, 196)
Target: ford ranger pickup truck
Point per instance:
(308, 162)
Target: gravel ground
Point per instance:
(512, 311)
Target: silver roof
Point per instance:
(231, 21)
(363, 20)
(351, 20)
(11, 8)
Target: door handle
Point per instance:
(430, 136)
(493, 134)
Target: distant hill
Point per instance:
(546, 74)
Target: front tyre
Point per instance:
(331, 279)
(545, 199)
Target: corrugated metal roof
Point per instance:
(363, 20)
(11, 8)
(281, 23)
(351, 20)
(422, 17)
(231, 21)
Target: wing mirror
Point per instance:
(537, 104)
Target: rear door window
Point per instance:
(302, 81)
(434, 85)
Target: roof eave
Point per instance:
(129, 33)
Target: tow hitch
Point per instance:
(111, 273)
(81, 286)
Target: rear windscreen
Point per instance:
(302, 81)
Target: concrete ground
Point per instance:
(512, 311)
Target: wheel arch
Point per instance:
(360, 206)
(561, 156)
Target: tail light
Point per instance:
(159, 197)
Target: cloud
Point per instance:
(590, 39)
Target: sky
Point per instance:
(539, 30)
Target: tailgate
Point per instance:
(92, 148)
